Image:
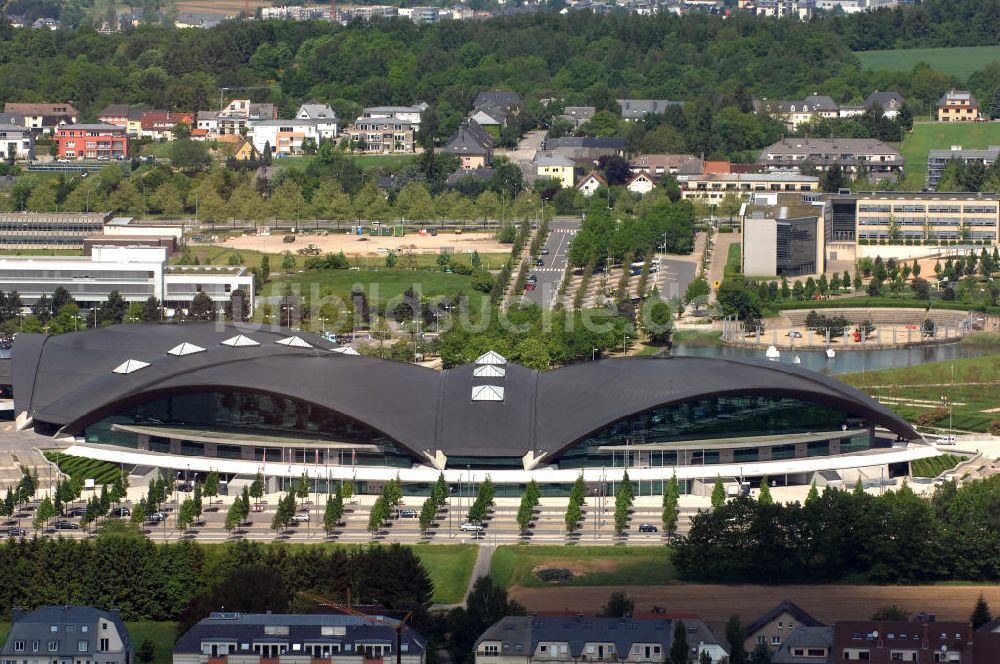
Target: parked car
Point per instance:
(156, 517)
(66, 525)
(257, 508)
(301, 518)
(539, 262)
(17, 532)
(471, 528)
(120, 512)
(545, 251)
(76, 511)
(647, 528)
(529, 286)
(407, 514)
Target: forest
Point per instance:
(897, 537)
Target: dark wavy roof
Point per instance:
(68, 381)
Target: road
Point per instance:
(674, 276)
(561, 232)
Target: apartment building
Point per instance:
(555, 167)
(635, 110)
(66, 634)
(324, 117)
(284, 137)
(16, 142)
(409, 114)
(658, 165)
(91, 141)
(381, 135)
(927, 216)
(43, 117)
(553, 639)
(957, 106)
(237, 117)
(161, 125)
(938, 159)
(854, 155)
(773, 627)
(248, 638)
(713, 187)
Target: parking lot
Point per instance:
(554, 257)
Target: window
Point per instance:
(82, 645)
(761, 641)
(53, 628)
(53, 646)
(491, 650)
(543, 648)
(104, 645)
(776, 640)
(18, 646)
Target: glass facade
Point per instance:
(703, 420)
(245, 413)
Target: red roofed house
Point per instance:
(43, 117)
(91, 141)
(159, 125)
(720, 167)
(589, 184)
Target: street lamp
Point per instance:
(625, 339)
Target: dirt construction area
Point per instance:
(360, 245)
(715, 604)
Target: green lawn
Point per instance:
(904, 300)
(935, 465)
(960, 380)
(393, 162)
(959, 62)
(734, 259)
(384, 285)
(102, 472)
(593, 565)
(940, 136)
(160, 633)
(450, 566)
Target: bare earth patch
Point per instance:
(353, 245)
(715, 603)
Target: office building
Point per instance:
(937, 160)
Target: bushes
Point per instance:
(336, 261)
(102, 472)
(526, 510)
(576, 497)
(480, 510)
(623, 504)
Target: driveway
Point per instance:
(561, 232)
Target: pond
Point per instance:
(846, 361)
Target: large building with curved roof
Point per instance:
(210, 396)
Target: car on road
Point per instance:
(471, 527)
(545, 251)
(794, 334)
(647, 528)
(120, 512)
(76, 511)
(529, 285)
(539, 262)
(66, 525)
(257, 508)
(407, 514)
(156, 517)
(17, 532)
(301, 518)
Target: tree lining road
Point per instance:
(561, 232)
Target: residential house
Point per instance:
(283, 137)
(640, 183)
(472, 144)
(957, 106)
(938, 159)
(208, 121)
(501, 105)
(239, 117)
(16, 20)
(46, 23)
(246, 152)
(800, 9)
(324, 117)
(160, 125)
(12, 119)
(424, 15)
(796, 113)
(578, 115)
(381, 135)
(889, 102)
(556, 167)
(409, 114)
(658, 165)
(772, 627)
(16, 142)
(67, 634)
(585, 149)
(634, 110)
(116, 114)
(295, 13)
(590, 183)
(886, 642)
(274, 638)
(480, 174)
(91, 141)
(987, 640)
(805, 645)
(854, 155)
(491, 124)
(43, 117)
(365, 12)
(713, 187)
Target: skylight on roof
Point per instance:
(489, 371)
(240, 341)
(295, 342)
(345, 350)
(128, 366)
(185, 349)
(487, 393)
(491, 357)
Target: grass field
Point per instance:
(102, 472)
(366, 162)
(386, 284)
(904, 300)
(915, 391)
(160, 633)
(928, 136)
(959, 62)
(450, 566)
(591, 565)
